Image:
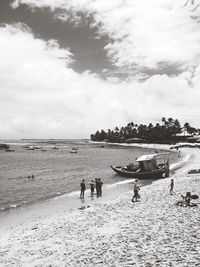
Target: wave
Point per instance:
(178, 165)
(128, 181)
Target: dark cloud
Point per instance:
(82, 40)
(79, 34)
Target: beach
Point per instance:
(115, 232)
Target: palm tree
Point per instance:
(170, 121)
(163, 120)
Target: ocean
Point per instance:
(58, 172)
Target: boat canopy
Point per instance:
(151, 156)
(146, 157)
(151, 162)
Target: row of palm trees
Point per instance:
(163, 132)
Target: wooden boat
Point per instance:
(151, 166)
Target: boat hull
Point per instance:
(154, 174)
(74, 151)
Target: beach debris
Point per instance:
(194, 171)
(34, 228)
(82, 208)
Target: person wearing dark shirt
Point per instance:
(92, 188)
(83, 187)
(97, 187)
(100, 184)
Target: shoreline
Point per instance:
(115, 232)
(139, 145)
(22, 202)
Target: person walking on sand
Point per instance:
(83, 187)
(92, 188)
(172, 187)
(135, 189)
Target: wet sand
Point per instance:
(115, 232)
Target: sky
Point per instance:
(71, 67)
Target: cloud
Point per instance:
(42, 97)
(145, 34)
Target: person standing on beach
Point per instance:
(97, 186)
(100, 187)
(172, 187)
(135, 189)
(92, 188)
(83, 187)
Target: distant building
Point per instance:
(194, 139)
(183, 136)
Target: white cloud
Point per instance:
(42, 97)
(144, 33)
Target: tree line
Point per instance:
(164, 132)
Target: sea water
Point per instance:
(58, 172)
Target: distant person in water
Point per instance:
(92, 185)
(172, 187)
(83, 187)
(136, 190)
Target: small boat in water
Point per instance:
(73, 151)
(10, 150)
(151, 166)
(55, 147)
(75, 148)
(30, 148)
(37, 147)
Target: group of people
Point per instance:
(97, 184)
(186, 199)
(31, 176)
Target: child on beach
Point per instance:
(83, 187)
(135, 189)
(172, 187)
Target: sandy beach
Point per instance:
(115, 232)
